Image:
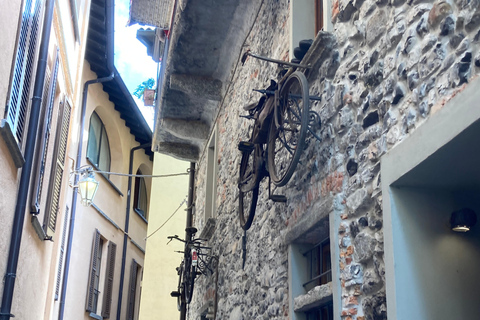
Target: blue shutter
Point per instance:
(44, 132)
(22, 76)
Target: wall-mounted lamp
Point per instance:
(87, 185)
(462, 220)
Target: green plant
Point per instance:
(148, 84)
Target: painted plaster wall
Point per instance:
(160, 277)
(437, 265)
(111, 203)
(35, 278)
(9, 19)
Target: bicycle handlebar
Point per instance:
(195, 242)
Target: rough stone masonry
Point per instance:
(386, 67)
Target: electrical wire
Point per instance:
(88, 169)
(142, 175)
(234, 72)
(181, 204)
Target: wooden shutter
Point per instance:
(22, 75)
(108, 288)
(44, 132)
(58, 162)
(62, 250)
(131, 290)
(93, 272)
(318, 16)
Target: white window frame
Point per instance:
(302, 21)
(211, 176)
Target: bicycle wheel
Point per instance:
(286, 138)
(189, 280)
(248, 186)
(180, 293)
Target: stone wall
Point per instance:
(388, 66)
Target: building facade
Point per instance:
(366, 228)
(67, 253)
(168, 209)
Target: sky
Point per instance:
(131, 59)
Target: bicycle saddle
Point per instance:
(256, 105)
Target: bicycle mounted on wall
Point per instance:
(282, 118)
(197, 260)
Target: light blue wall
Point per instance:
(436, 269)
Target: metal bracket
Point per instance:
(279, 62)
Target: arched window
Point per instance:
(98, 148)
(140, 196)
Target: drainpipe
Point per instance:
(110, 33)
(20, 208)
(127, 220)
(188, 235)
(78, 163)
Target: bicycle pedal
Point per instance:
(245, 146)
(175, 294)
(278, 198)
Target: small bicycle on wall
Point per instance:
(197, 260)
(282, 118)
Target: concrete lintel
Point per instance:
(313, 298)
(310, 222)
(186, 129)
(203, 87)
(181, 151)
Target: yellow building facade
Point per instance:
(69, 261)
(168, 216)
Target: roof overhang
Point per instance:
(99, 53)
(204, 43)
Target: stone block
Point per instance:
(364, 247)
(376, 26)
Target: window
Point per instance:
(319, 265)
(324, 312)
(62, 251)
(311, 283)
(140, 202)
(132, 291)
(44, 132)
(211, 185)
(23, 72)
(58, 167)
(307, 17)
(98, 148)
(318, 15)
(94, 292)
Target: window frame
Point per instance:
(135, 274)
(98, 151)
(211, 176)
(311, 314)
(97, 269)
(318, 273)
(140, 190)
(307, 18)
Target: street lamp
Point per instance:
(87, 186)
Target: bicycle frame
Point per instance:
(279, 118)
(193, 259)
